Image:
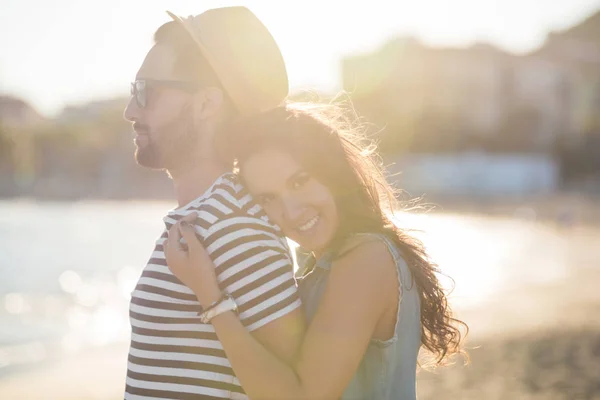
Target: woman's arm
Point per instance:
(336, 340)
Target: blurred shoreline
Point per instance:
(567, 208)
(563, 208)
(534, 337)
(534, 343)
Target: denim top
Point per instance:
(388, 368)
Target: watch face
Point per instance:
(227, 304)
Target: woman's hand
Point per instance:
(192, 266)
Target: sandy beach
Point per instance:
(538, 343)
(542, 343)
(97, 374)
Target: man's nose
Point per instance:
(131, 111)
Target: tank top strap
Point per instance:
(325, 261)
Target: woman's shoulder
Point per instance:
(366, 266)
(372, 251)
(365, 242)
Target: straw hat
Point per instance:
(243, 54)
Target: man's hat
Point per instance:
(243, 54)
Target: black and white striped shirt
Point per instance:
(172, 354)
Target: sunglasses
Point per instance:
(140, 88)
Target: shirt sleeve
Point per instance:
(254, 265)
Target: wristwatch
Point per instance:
(227, 303)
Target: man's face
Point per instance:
(163, 123)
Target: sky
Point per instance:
(63, 52)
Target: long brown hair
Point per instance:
(332, 146)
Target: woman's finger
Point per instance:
(173, 243)
(190, 218)
(189, 235)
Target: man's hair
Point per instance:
(190, 64)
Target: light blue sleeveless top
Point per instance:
(388, 368)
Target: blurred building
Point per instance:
(520, 102)
(577, 52)
(408, 78)
(482, 121)
(16, 112)
(17, 149)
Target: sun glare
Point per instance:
(106, 50)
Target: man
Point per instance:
(201, 73)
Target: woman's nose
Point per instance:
(292, 208)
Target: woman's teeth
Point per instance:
(309, 224)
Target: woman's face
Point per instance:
(292, 198)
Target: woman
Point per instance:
(370, 294)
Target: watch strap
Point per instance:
(227, 304)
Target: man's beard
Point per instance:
(170, 146)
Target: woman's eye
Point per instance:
(301, 180)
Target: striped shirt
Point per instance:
(172, 354)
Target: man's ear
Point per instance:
(208, 102)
